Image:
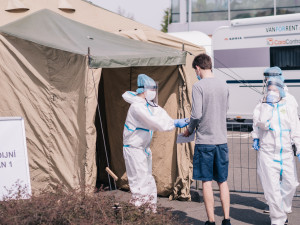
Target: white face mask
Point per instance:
(274, 93)
(150, 95)
(273, 96)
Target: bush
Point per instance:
(78, 207)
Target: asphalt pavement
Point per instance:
(247, 199)
(245, 208)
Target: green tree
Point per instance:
(166, 21)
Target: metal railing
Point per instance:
(242, 171)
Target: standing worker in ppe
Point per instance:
(268, 73)
(144, 116)
(278, 124)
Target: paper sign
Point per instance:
(14, 169)
(182, 139)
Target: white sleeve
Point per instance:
(254, 133)
(156, 120)
(292, 100)
(263, 114)
(295, 126)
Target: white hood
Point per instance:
(131, 97)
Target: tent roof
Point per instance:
(195, 37)
(93, 15)
(107, 50)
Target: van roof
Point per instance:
(265, 20)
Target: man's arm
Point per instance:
(196, 114)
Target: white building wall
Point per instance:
(206, 27)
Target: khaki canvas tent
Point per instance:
(176, 177)
(46, 79)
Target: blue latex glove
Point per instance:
(181, 122)
(298, 157)
(256, 144)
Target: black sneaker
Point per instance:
(267, 209)
(209, 223)
(226, 222)
(286, 222)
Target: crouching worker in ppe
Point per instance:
(278, 124)
(144, 116)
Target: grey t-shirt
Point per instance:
(209, 109)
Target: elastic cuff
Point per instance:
(190, 130)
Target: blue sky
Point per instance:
(149, 12)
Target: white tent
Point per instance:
(195, 37)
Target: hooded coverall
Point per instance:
(277, 126)
(142, 119)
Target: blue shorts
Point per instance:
(210, 162)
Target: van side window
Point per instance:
(286, 57)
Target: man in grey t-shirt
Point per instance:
(208, 118)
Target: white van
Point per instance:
(242, 51)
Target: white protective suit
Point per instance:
(277, 126)
(142, 119)
(290, 99)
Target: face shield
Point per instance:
(271, 72)
(275, 91)
(151, 94)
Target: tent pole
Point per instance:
(89, 58)
(130, 78)
(101, 125)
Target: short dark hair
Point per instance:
(203, 61)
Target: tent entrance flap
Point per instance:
(163, 146)
(102, 143)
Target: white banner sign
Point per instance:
(14, 169)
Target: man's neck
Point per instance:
(207, 74)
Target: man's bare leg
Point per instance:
(225, 198)
(208, 197)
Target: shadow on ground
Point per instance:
(186, 219)
(196, 195)
(248, 216)
(247, 201)
(246, 209)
